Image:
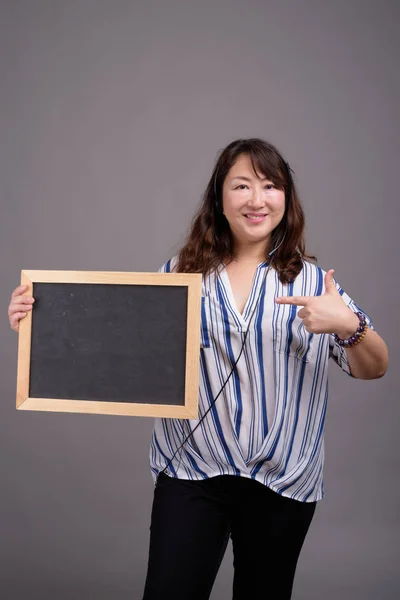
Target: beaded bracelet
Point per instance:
(357, 336)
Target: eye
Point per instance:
(270, 186)
(241, 186)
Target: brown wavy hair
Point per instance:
(210, 241)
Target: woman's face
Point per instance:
(252, 205)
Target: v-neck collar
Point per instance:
(240, 318)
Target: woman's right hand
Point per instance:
(19, 306)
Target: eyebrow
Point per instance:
(247, 179)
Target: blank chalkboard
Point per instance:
(113, 343)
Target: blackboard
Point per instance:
(112, 343)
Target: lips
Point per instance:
(256, 217)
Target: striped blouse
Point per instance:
(268, 423)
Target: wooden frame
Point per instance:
(190, 408)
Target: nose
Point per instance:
(256, 199)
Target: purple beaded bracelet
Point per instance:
(357, 336)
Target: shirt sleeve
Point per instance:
(337, 352)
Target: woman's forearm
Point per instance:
(369, 358)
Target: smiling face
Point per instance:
(252, 205)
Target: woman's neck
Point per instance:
(255, 253)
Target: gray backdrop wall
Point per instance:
(112, 114)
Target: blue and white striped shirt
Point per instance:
(268, 423)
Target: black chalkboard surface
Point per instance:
(113, 343)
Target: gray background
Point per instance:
(112, 114)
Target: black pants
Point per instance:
(190, 526)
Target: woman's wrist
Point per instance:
(352, 330)
(347, 329)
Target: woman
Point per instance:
(251, 467)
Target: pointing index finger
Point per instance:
(293, 300)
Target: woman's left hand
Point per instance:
(327, 313)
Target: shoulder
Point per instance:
(169, 265)
(310, 280)
(312, 277)
(310, 268)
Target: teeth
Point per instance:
(255, 217)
